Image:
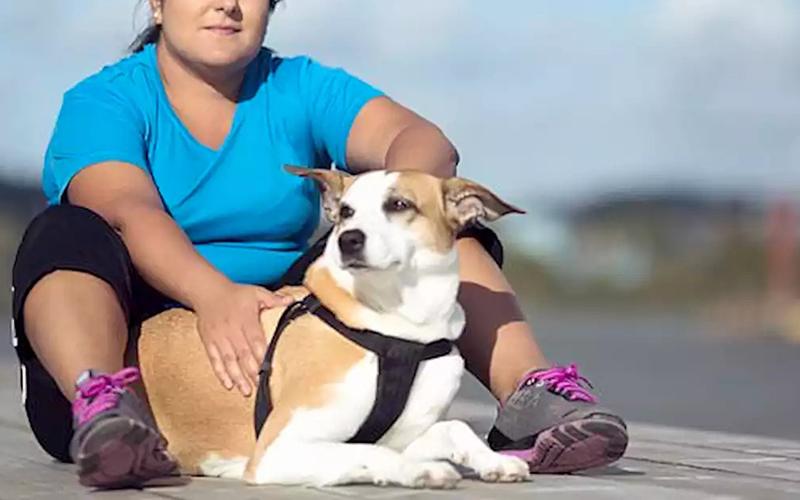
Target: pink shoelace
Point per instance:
(565, 380)
(101, 393)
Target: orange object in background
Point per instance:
(782, 253)
(783, 300)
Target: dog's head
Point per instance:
(397, 220)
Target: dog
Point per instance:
(390, 266)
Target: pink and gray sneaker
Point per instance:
(115, 444)
(553, 422)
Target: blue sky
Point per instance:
(547, 100)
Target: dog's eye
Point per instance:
(345, 212)
(397, 205)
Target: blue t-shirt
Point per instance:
(240, 209)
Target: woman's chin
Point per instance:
(224, 60)
(224, 55)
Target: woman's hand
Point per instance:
(229, 324)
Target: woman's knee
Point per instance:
(69, 238)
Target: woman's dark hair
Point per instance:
(152, 32)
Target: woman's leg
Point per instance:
(498, 344)
(72, 297)
(548, 417)
(74, 322)
(72, 282)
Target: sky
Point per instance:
(546, 100)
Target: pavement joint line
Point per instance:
(573, 489)
(757, 460)
(761, 452)
(153, 492)
(38, 463)
(766, 451)
(683, 478)
(14, 425)
(711, 469)
(342, 492)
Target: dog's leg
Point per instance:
(228, 468)
(328, 464)
(455, 441)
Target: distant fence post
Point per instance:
(782, 252)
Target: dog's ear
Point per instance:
(466, 202)
(332, 185)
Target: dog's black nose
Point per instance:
(351, 242)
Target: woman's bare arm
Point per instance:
(386, 135)
(126, 198)
(228, 314)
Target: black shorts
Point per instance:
(67, 237)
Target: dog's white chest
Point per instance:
(352, 399)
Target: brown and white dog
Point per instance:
(403, 283)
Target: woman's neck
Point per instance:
(181, 78)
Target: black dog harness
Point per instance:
(398, 361)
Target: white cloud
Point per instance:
(731, 90)
(767, 22)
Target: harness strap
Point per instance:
(398, 362)
(263, 398)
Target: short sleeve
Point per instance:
(333, 98)
(96, 123)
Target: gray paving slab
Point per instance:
(662, 463)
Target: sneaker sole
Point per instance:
(574, 446)
(122, 452)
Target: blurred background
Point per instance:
(654, 143)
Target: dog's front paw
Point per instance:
(435, 475)
(496, 468)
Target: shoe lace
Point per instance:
(564, 380)
(101, 393)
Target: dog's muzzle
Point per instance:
(351, 248)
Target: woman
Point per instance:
(165, 187)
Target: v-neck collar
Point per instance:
(250, 71)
